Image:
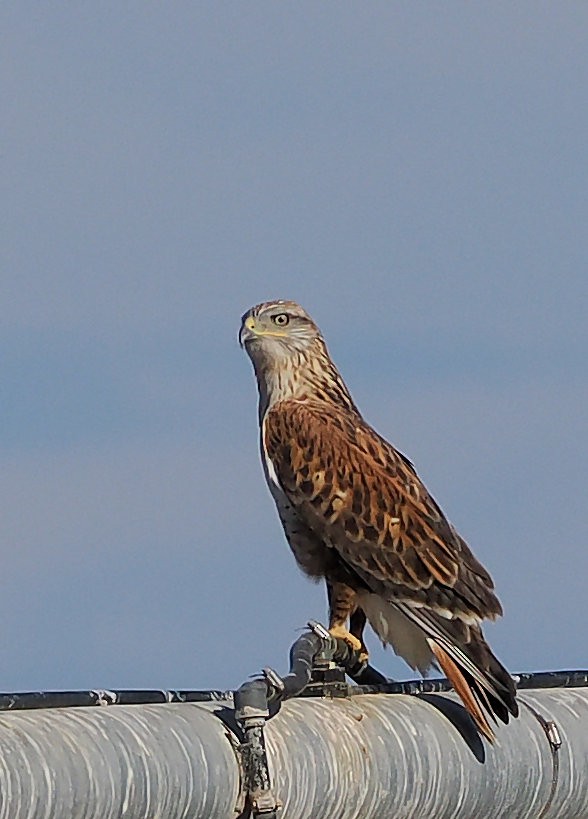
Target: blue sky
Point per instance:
(416, 177)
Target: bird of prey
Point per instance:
(355, 513)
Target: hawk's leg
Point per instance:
(342, 605)
(357, 623)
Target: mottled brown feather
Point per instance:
(374, 509)
(356, 514)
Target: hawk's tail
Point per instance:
(483, 684)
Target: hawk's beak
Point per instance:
(247, 331)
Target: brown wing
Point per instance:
(366, 501)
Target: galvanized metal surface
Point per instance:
(373, 756)
(136, 762)
(399, 757)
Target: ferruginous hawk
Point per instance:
(355, 512)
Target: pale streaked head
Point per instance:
(289, 356)
(277, 330)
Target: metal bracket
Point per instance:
(319, 629)
(251, 713)
(275, 683)
(104, 697)
(555, 742)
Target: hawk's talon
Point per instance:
(341, 633)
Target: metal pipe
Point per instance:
(136, 762)
(317, 657)
(100, 697)
(362, 757)
(251, 712)
(411, 756)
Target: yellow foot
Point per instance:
(342, 633)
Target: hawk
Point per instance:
(355, 513)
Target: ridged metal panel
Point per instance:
(399, 757)
(374, 756)
(136, 762)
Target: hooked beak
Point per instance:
(247, 332)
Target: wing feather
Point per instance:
(369, 503)
(365, 500)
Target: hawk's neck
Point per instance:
(302, 379)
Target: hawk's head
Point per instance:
(289, 356)
(277, 330)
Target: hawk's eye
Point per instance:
(281, 319)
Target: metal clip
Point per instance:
(274, 679)
(553, 734)
(318, 629)
(104, 697)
